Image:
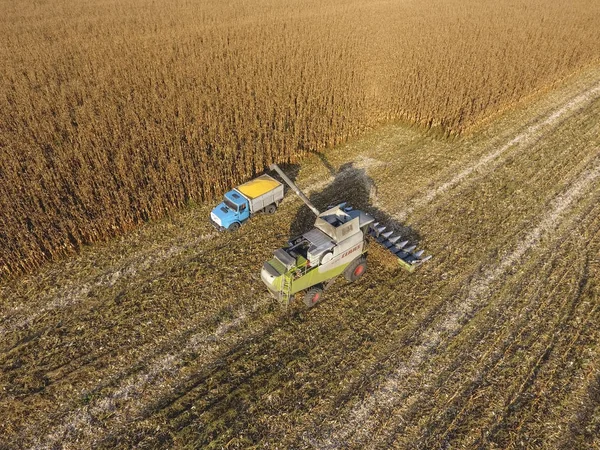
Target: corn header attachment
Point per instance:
(408, 257)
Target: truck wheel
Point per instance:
(313, 296)
(270, 209)
(356, 269)
(234, 226)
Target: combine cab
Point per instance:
(337, 245)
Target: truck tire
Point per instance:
(270, 209)
(356, 269)
(313, 296)
(234, 226)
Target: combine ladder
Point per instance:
(286, 290)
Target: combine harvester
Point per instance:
(336, 245)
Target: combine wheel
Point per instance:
(270, 209)
(356, 269)
(313, 296)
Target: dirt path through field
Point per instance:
(167, 338)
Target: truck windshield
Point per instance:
(230, 204)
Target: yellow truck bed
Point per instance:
(259, 186)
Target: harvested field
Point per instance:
(113, 112)
(166, 337)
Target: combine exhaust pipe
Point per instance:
(294, 188)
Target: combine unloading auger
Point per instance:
(295, 188)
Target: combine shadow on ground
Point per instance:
(352, 185)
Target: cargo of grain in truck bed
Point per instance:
(261, 192)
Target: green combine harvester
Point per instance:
(337, 245)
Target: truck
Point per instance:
(262, 194)
(337, 245)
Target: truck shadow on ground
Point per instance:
(350, 184)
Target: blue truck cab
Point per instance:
(232, 211)
(261, 194)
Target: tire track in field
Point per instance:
(491, 357)
(582, 424)
(83, 424)
(186, 339)
(489, 160)
(74, 295)
(529, 389)
(361, 422)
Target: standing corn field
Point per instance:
(113, 113)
